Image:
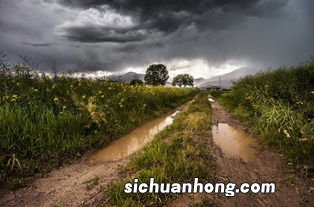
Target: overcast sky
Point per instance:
(202, 37)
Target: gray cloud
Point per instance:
(37, 44)
(164, 16)
(105, 34)
(113, 35)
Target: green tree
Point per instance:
(136, 82)
(156, 75)
(183, 80)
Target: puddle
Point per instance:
(210, 99)
(233, 142)
(132, 142)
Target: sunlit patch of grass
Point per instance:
(177, 154)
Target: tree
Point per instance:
(156, 75)
(183, 80)
(136, 82)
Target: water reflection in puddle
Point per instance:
(234, 142)
(210, 99)
(132, 142)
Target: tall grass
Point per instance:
(46, 120)
(280, 106)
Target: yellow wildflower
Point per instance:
(14, 98)
(286, 133)
(56, 100)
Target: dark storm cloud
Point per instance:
(164, 16)
(103, 34)
(112, 35)
(37, 44)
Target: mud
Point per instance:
(266, 166)
(83, 184)
(236, 166)
(234, 142)
(132, 142)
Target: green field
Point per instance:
(279, 106)
(45, 121)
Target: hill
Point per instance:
(227, 79)
(127, 77)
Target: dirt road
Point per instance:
(267, 166)
(74, 185)
(81, 184)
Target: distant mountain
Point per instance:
(127, 77)
(227, 79)
(198, 81)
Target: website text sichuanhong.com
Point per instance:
(228, 189)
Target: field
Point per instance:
(45, 121)
(51, 121)
(279, 106)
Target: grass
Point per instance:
(279, 105)
(217, 93)
(45, 121)
(177, 154)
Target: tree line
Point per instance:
(157, 74)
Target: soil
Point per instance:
(74, 185)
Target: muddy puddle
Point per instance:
(234, 142)
(210, 99)
(132, 142)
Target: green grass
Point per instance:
(177, 154)
(217, 93)
(45, 121)
(279, 105)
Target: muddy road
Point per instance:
(83, 183)
(241, 158)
